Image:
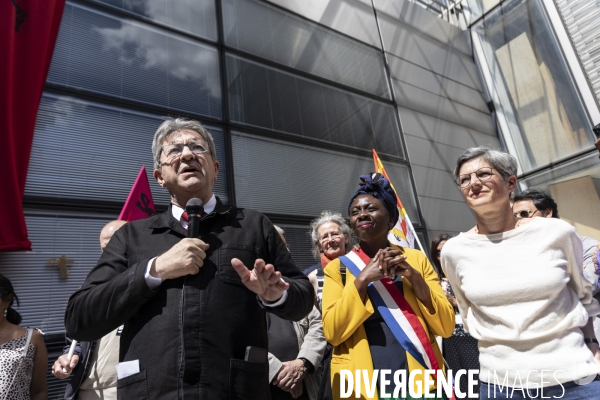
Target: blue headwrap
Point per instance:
(379, 187)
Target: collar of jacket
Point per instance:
(167, 221)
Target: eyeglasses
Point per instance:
(330, 236)
(174, 150)
(483, 174)
(525, 214)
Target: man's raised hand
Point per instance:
(262, 280)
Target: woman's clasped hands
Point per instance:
(388, 262)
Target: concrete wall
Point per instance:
(439, 94)
(441, 104)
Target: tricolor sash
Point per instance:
(396, 312)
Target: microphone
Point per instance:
(194, 209)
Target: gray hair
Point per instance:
(278, 229)
(505, 164)
(172, 125)
(324, 217)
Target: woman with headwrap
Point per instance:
(382, 304)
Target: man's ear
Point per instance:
(547, 213)
(217, 165)
(158, 176)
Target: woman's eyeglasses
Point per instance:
(483, 174)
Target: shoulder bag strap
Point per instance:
(29, 334)
(343, 272)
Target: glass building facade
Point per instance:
(540, 63)
(296, 94)
(294, 106)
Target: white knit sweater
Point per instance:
(522, 294)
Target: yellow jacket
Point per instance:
(344, 313)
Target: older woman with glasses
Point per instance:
(330, 235)
(521, 290)
(382, 304)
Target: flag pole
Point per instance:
(406, 225)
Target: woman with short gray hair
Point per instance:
(330, 236)
(521, 290)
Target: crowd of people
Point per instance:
(227, 314)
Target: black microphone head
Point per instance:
(194, 207)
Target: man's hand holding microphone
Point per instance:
(187, 257)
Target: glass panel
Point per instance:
(474, 9)
(269, 98)
(197, 17)
(298, 239)
(122, 58)
(95, 152)
(271, 33)
(283, 178)
(545, 118)
(579, 17)
(575, 187)
(424, 242)
(43, 294)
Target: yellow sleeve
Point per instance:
(343, 309)
(441, 322)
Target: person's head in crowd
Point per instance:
(486, 178)
(7, 299)
(23, 369)
(108, 230)
(281, 232)
(534, 203)
(436, 252)
(185, 160)
(375, 194)
(330, 235)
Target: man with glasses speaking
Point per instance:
(193, 307)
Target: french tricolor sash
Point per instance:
(396, 312)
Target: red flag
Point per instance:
(139, 204)
(28, 29)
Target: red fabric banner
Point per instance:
(139, 203)
(28, 30)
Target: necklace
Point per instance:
(4, 330)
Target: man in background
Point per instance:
(535, 203)
(296, 350)
(94, 363)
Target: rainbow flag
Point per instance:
(402, 234)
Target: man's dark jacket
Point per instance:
(189, 334)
